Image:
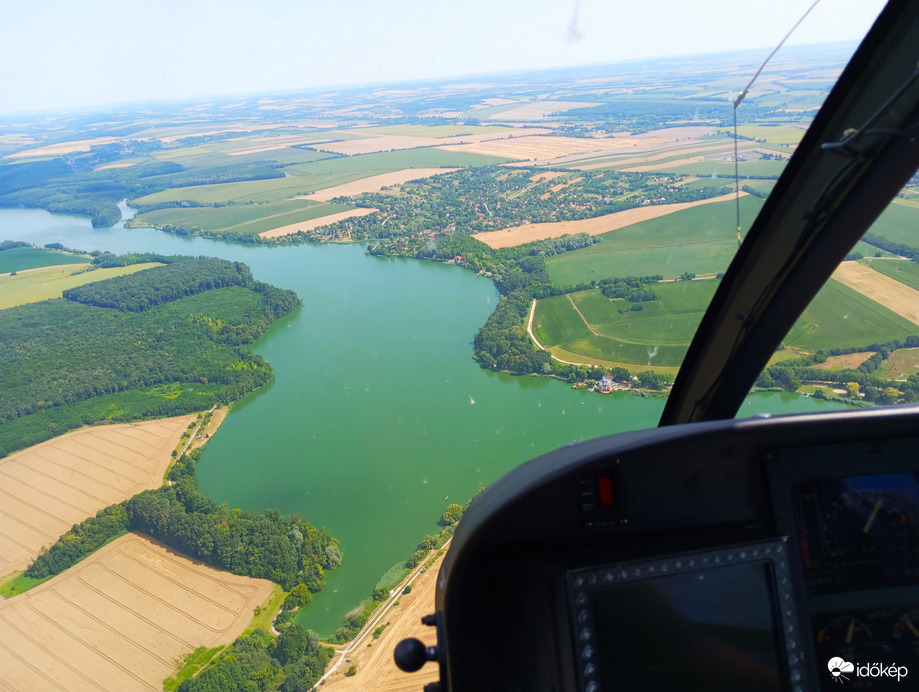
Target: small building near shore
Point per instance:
(606, 384)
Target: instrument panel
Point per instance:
(860, 531)
(540, 591)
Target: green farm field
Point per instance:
(240, 219)
(657, 335)
(49, 282)
(778, 134)
(271, 190)
(840, 317)
(556, 322)
(199, 158)
(669, 321)
(903, 271)
(870, 251)
(660, 333)
(702, 240)
(20, 258)
(899, 223)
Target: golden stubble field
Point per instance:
(372, 142)
(374, 183)
(880, 288)
(518, 235)
(47, 488)
(310, 224)
(542, 148)
(121, 620)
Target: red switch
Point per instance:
(605, 487)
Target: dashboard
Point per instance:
(759, 554)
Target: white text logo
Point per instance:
(839, 667)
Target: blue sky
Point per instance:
(59, 54)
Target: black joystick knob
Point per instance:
(412, 654)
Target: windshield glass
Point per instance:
(266, 269)
(857, 343)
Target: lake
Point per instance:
(378, 417)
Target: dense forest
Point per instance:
(287, 550)
(293, 662)
(65, 363)
(138, 292)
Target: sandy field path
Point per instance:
(882, 289)
(47, 488)
(518, 235)
(376, 669)
(121, 620)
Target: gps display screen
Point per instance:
(707, 630)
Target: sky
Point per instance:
(61, 54)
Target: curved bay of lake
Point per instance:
(378, 417)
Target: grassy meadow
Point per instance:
(838, 317)
(657, 335)
(241, 219)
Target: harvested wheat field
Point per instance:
(518, 235)
(657, 154)
(63, 148)
(375, 667)
(844, 362)
(540, 109)
(528, 148)
(257, 145)
(697, 158)
(309, 225)
(374, 183)
(880, 288)
(121, 620)
(372, 142)
(46, 489)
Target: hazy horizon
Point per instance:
(102, 54)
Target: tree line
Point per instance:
(268, 545)
(870, 386)
(142, 290)
(264, 545)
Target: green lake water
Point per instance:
(378, 418)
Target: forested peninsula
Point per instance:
(164, 341)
